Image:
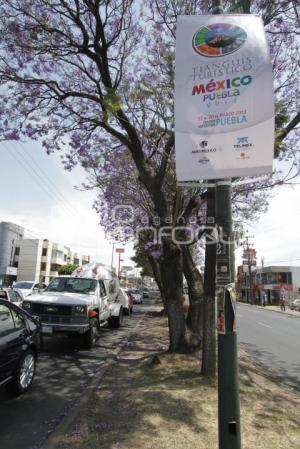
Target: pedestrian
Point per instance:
(264, 298)
(282, 302)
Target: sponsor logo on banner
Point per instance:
(203, 160)
(204, 149)
(243, 143)
(218, 39)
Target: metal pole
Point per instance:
(228, 379)
(112, 256)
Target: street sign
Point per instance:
(120, 250)
(224, 99)
(12, 271)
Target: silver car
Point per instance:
(295, 305)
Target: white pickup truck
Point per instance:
(79, 304)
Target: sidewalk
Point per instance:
(150, 399)
(288, 311)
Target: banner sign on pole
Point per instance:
(224, 98)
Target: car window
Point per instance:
(102, 288)
(19, 297)
(25, 285)
(7, 324)
(13, 296)
(18, 319)
(72, 284)
(3, 294)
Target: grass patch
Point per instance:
(150, 399)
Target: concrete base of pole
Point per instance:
(228, 387)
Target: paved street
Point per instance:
(64, 371)
(273, 338)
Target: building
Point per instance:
(40, 260)
(10, 233)
(273, 281)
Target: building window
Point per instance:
(65, 257)
(16, 264)
(44, 252)
(43, 266)
(17, 251)
(283, 278)
(76, 261)
(55, 267)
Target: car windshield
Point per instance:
(74, 285)
(25, 285)
(135, 292)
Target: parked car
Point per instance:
(295, 305)
(20, 340)
(185, 299)
(26, 288)
(145, 292)
(136, 296)
(80, 304)
(11, 295)
(126, 300)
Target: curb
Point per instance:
(269, 310)
(61, 429)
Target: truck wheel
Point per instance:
(23, 376)
(90, 337)
(115, 322)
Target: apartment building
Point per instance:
(40, 260)
(10, 233)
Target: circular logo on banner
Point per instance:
(218, 39)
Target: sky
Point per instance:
(275, 236)
(38, 194)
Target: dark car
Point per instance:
(145, 293)
(11, 295)
(20, 340)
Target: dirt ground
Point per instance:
(150, 399)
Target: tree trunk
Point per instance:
(195, 288)
(157, 276)
(172, 282)
(209, 328)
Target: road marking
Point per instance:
(281, 318)
(263, 324)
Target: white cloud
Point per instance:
(276, 236)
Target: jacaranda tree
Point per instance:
(88, 77)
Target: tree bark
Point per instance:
(195, 288)
(172, 283)
(157, 276)
(209, 329)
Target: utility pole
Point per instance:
(249, 263)
(112, 256)
(119, 251)
(228, 378)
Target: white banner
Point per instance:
(224, 99)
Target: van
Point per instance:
(79, 304)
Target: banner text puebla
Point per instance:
(224, 100)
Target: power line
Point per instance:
(27, 166)
(46, 177)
